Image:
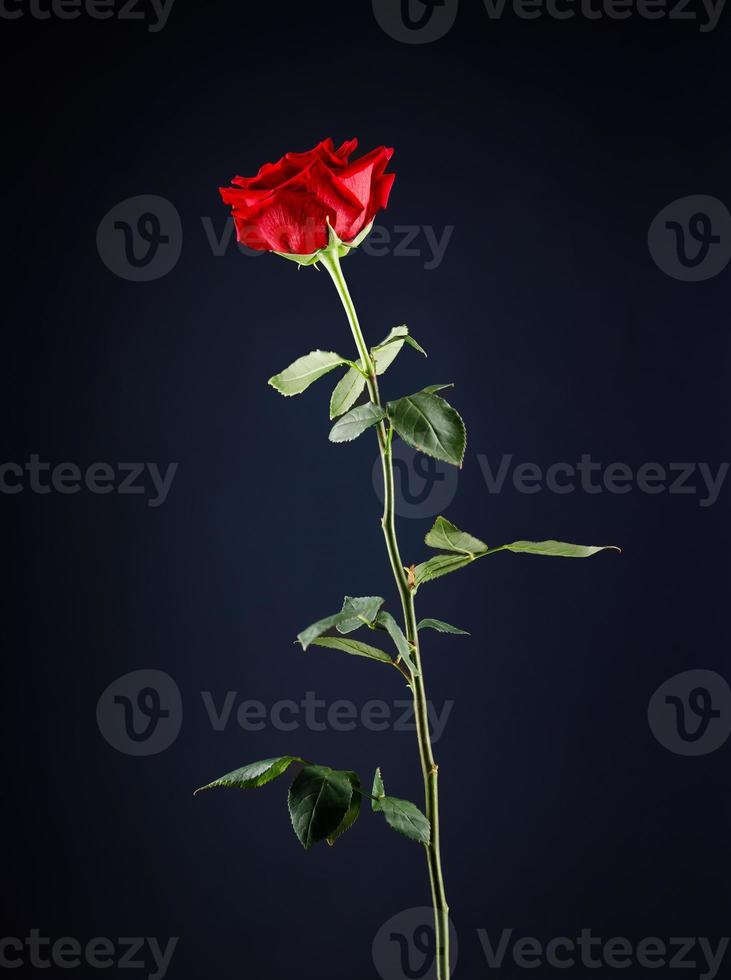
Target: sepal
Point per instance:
(335, 244)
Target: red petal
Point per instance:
(291, 221)
(381, 193)
(342, 204)
(348, 147)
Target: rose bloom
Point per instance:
(287, 206)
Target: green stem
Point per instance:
(429, 768)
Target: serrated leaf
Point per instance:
(437, 624)
(254, 775)
(556, 549)
(430, 424)
(385, 353)
(355, 422)
(393, 629)
(309, 635)
(354, 613)
(398, 336)
(444, 564)
(439, 565)
(347, 392)
(353, 810)
(406, 818)
(353, 647)
(301, 373)
(319, 799)
(448, 537)
(358, 611)
(415, 344)
(378, 791)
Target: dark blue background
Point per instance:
(550, 147)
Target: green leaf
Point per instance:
(254, 775)
(437, 624)
(400, 814)
(433, 389)
(353, 810)
(385, 353)
(309, 635)
(415, 344)
(319, 800)
(302, 372)
(430, 424)
(447, 536)
(358, 611)
(347, 392)
(444, 564)
(356, 421)
(378, 791)
(396, 339)
(354, 647)
(467, 548)
(354, 613)
(440, 565)
(393, 629)
(406, 818)
(556, 549)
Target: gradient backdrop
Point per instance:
(539, 152)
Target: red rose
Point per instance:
(287, 206)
